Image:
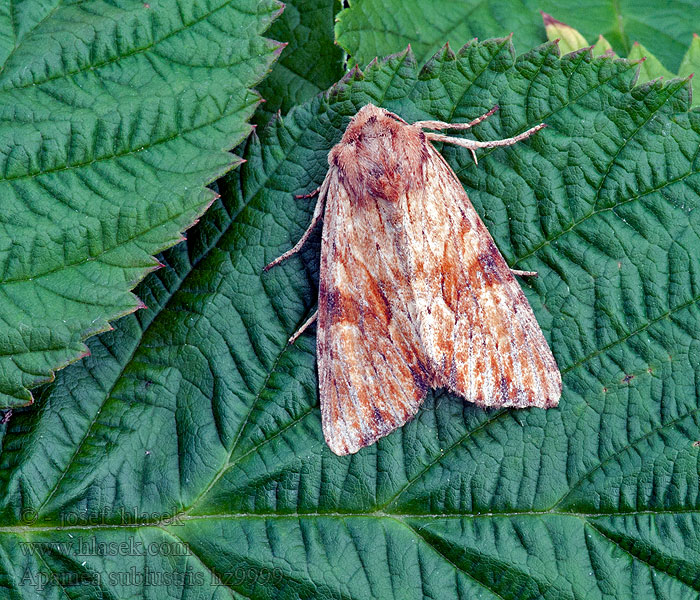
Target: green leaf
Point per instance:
(690, 65)
(197, 407)
(569, 38)
(114, 116)
(370, 28)
(602, 46)
(310, 63)
(650, 68)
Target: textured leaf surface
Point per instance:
(650, 67)
(370, 28)
(310, 63)
(113, 117)
(198, 407)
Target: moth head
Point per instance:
(379, 155)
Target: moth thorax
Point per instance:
(378, 156)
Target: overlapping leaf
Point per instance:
(113, 117)
(649, 66)
(198, 408)
(311, 62)
(370, 28)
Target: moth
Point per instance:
(413, 292)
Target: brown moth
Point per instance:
(413, 293)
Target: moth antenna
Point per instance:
(473, 144)
(461, 126)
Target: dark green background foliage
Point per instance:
(196, 407)
(311, 62)
(371, 28)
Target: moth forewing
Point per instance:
(477, 327)
(413, 293)
(371, 379)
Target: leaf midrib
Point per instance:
(374, 514)
(401, 520)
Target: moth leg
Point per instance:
(309, 195)
(472, 145)
(524, 273)
(444, 125)
(318, 213)
(303, 328)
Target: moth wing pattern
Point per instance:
(477, 328)
(372, 373)
(413, 293)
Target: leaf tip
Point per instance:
(279, 49)
(405, 54)
(280, 9)
(549, 20)
(354, 74)
(447, 52)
